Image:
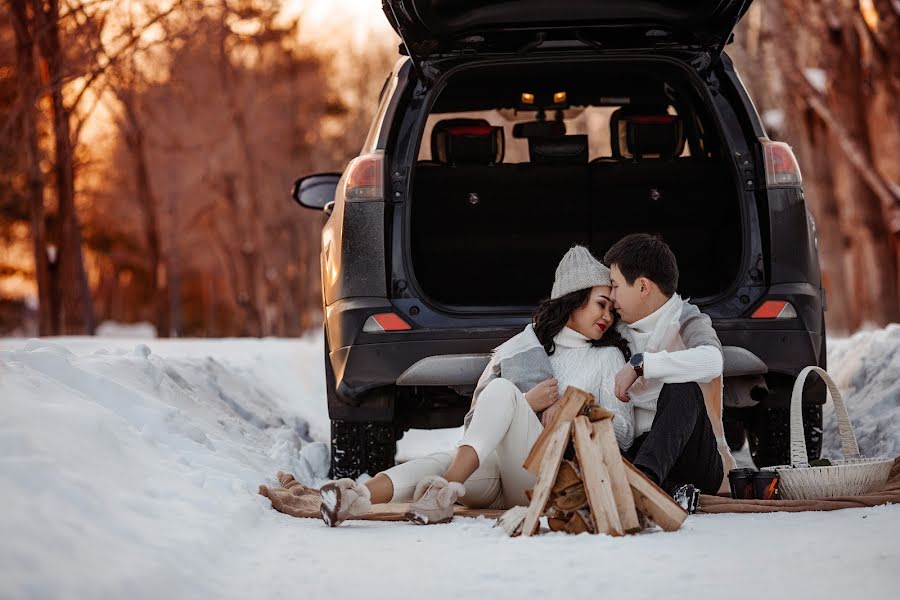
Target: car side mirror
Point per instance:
(315, 191)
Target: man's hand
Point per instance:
(543, 395)
(547, 415)
(624, 380)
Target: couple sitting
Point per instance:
(620, 333)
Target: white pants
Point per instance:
(502, 431)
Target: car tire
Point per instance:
(358, 448)
(769, 434)
(735, 434)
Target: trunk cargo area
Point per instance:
(489, 233)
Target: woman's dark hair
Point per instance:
(552, 315)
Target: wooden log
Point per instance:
(603, 432)
(567, 477)
(571, 499)
(598, 413)
(557, 524)
(551, 512)
(580, 522)
(596, 479)
(549, 468)
(572, 403)
(651, 500)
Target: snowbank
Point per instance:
(866, 367)
(123, 468)
(130, 468)
(134, 331)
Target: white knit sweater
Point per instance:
(576, 362)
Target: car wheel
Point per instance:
(812, 427)
(358, 448)
(769, 434)
(735, 434)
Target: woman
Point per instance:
(571, 342)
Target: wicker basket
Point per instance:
(849, 477)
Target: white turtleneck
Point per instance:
(575, 362)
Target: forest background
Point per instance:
(147, 148)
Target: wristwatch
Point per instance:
(637, 362)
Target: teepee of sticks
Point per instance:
(597, 491)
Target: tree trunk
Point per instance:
(872, 260)
(77, 306)
(250, 218)
(829, 75)
(27, 90)
(157, 266)
(245, 294)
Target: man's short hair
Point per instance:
(645, 255)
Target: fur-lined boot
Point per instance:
(343, 499)
(433, 501)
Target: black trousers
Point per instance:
(680, 446)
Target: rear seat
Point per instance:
(488, 233)
(458, 202)
(647, 186)
(500, 228)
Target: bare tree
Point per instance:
(827, 76)
(183, 195)
(27, 95)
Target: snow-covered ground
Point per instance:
(130, 467)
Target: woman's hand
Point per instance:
(547, 415)
(624, 380)
(543, 395)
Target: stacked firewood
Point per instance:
(593, 491)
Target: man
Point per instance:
(675, 349)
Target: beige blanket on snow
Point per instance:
(297, 500)
(890, 494)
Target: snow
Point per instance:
(817, 78)
(130, 468)
(773, 119)
(866, 368)
(126, 330)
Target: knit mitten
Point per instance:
(433, 501)
(343, 499)
(292, 498)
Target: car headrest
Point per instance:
(561, 150)
(640, 135)
(467, 141)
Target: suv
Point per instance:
(504, 137)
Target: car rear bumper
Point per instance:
(455, 357)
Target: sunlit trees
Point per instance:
(826, 78)
(166, 134)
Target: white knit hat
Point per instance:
(578, 270)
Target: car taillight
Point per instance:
(775, 309)
(365, 178)
(782, 169)
(385, 322)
